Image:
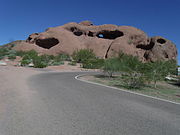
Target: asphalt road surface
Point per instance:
(58, 104)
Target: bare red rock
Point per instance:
(105, 40)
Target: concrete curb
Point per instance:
(139, 94)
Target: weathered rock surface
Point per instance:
(105, 40)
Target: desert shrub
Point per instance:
(128, 65)
(20, 53)
(25, 62)
(3, 52)
(93, 63)
(62, 57)
(134, 70)
(39, 63)
(46, 58)
(83, 55)
(30, 53)
(133, 81)
(56, 63)
(12, 57)
(72, 63)
(111, 65)
(157, 71)
(28, 57)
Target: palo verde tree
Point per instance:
(111, 65)
(157, 71)
(133, 69)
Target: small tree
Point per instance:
(133, 68)
(111, 65)
(83, 55)
(157, 71)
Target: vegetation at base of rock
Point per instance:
(83, 55)
(88, 59)
(72, 63)
(42, 60)
(93, 63)
(135, 74)
(63, 57)
(6, 52)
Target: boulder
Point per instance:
(105, 40)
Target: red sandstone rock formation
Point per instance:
(105, 40)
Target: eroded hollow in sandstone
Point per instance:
(78, 33)
(146, 47)
(109, 34)
(161, 41)
(47, 43)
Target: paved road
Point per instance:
(60, 105)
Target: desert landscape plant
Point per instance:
(157, 71)
(94, 63)
(83, 55)
(111, 66)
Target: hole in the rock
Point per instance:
(78, 33)
(47, 43)
(146, 55)
(73, 29)
(146, 47)
(101, 36)
(110, 34)
(161, 41)
(165, 55)
(90, 34)
(29, 38)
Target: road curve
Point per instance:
(61, 105)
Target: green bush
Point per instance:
(12, 57)
(83, 55)
(111, 65)
(72, 63)
(93, 63)
(25, 62)
(63, 57)
(39, 63)
(128, 65)
(20, 53)
(56, 63)
(3, 52)
(46, 58)
(157, 71)
(6, 52)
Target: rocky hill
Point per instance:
(105, 40)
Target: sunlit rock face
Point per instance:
(105, 40)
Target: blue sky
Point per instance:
(19, 18)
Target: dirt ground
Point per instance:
(15, 77)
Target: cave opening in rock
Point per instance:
(110, 34)
(78, 33)
(165, 54)
(72, 29)
(161, 41)
(146, 47)
(90, 34)
(47, 43)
